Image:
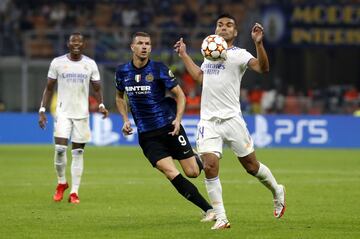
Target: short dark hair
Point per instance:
(140, 34)
(76, 34)
(227, 15)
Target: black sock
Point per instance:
(199, 162)
(190, 192)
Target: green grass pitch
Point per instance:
(122, 196)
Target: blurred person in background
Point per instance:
(221, 120)
(73, 73)
(2, 106)
(357, 111)
(193, 103)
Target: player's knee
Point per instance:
(77, 152)
(209, 166)
(192, 172)
(60, 149)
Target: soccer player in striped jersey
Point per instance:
(158, 118)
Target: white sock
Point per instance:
(60, 161)
(265, 177)
(77, 166)
(214, 189)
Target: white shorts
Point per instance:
(212, 134)
(76, 129)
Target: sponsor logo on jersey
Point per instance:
(213, 69)
(138, 89)
(74, 77)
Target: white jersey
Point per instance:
(221, 84)
(73, 79)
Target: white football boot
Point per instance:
(279, 202)
(209, 216)
(221, 224)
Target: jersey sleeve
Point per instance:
(118, 81)
(52, 73)
(243, 58)
(167, 77)
(95, 76)
(247, 56)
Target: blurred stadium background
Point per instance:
(313, 47)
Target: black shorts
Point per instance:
(159, 144)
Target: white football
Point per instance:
(214, 48)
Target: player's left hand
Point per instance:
(257, 33)
(176, 130)
(42, 120)
(126, 129)
(104, 112)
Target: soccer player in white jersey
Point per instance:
(221, 120)
(73, 73)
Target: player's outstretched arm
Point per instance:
(180, 108)
(193, 69)
(48, 92)
(261, 63)
(122, 108)
(99, 98)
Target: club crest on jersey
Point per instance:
(149, 77)
(137, 78)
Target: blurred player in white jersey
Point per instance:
(221, 119)
(73, 73)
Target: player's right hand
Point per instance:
(42, 120)
(176, 130)
(104, 112)
(126, 129)
(180, 47)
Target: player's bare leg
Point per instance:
(214, 189)
(60, 161)
(191, 167)
(182, 185)
(77, 167)
(265, 176)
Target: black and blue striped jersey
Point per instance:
(146, 88)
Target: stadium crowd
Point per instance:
(31, 29)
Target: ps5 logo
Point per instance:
(261, 136)
(303, 131)
(315, 128)
(102, 131)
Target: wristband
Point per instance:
(42, 109)
(101, 106)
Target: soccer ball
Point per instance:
(214, 48)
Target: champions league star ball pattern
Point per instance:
(214, 48)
